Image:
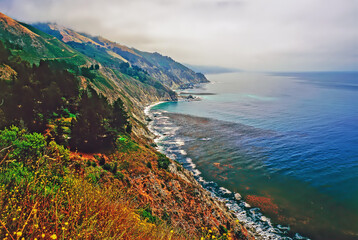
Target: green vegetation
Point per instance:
(146, 213)
(46, 95)
(163, 161)
(96, 52)
(47, 47)
(25, 145)
(44, 195)
(126, 144)
(135, 72)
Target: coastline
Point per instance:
(260, 228)
(190, 176)
(257, 173)
(148, 108)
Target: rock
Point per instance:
(237, 196)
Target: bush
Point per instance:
(119, 175)
(146, 213)
(93, 174)
(25, 146)
(149, 165)
(16, 174)
(124, 165)
(107, 167)
(125, 144)
(222, 229)
(163, 161)
(59, 152)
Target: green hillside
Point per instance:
(92, 65)
(164, 69)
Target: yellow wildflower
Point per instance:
(19, 234)
(53, 236)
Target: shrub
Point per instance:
(93, 174)
(25, 146)
(222, 229)
(149, 165)
(114, 168)
(59, 152)
(124, 165)
(146, 213)
(163, 161)
(107, 167)
(16, 174)
(119, 175)
(125, 144)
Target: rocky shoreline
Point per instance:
(215, 209)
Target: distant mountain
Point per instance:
(164, 69)
(211, 69)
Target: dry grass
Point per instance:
(76, 210)
(51, 201)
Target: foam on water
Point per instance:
(169, 144)
(264, 135)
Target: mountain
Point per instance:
(81, 54)
(169, 72)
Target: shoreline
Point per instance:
(264, 229)
(149, 107)
(187, 124)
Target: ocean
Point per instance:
(286, 142)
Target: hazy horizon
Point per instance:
(306, 35)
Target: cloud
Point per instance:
(247, 34)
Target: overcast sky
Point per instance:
(246, 34)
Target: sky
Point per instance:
(254, 35)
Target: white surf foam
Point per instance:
(251, 218)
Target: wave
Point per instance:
(170, 144)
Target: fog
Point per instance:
(276, 35)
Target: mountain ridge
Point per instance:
(163, 68)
